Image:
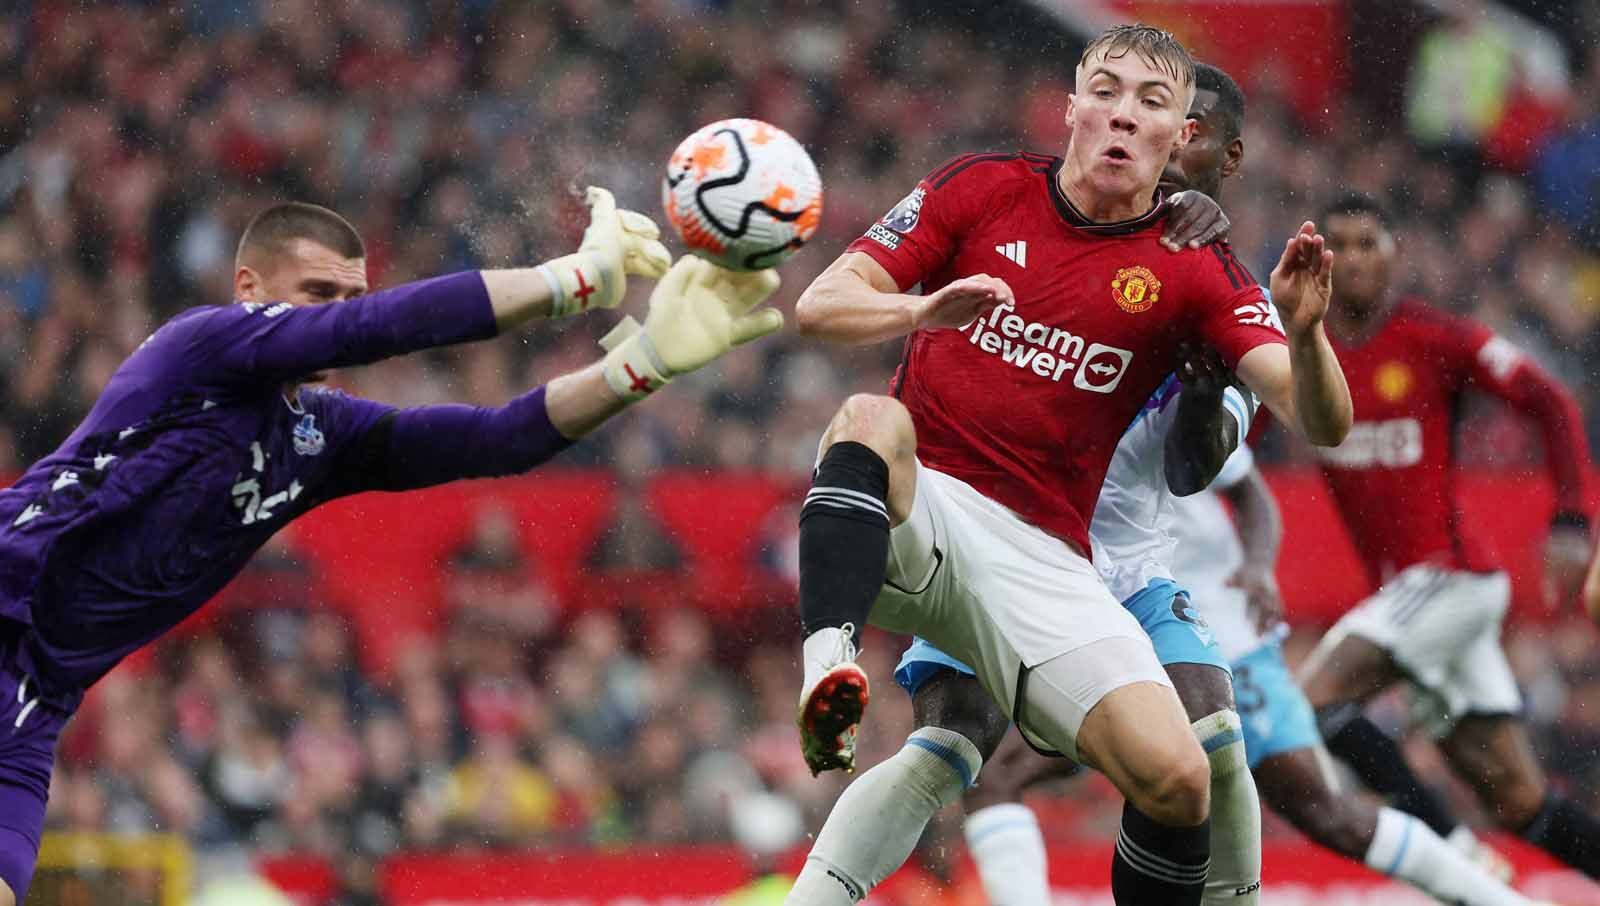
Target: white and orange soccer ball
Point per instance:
(742, 193)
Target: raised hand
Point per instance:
(960, 302)
(616, 244)
(1302, 283)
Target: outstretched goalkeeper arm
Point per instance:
(697, 312)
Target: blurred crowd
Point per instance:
(136, 140)
(262, 731)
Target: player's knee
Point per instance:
(958, 702)
(879, 422)
(1178, 793)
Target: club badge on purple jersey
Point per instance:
(308, 439)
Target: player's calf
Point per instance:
(879, 818)
(844, 552)
(1494, 754)
(1110, 703)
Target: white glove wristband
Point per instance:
(577, 284)
(633, 367)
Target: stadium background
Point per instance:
(579, 687)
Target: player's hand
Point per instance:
(616, 244)
(1302, 283)
(1202, 370)
(960, 302)
(1566, 559)
(1196, 220)
(698, 312)
(1261, 592)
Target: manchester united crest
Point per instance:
(1135, 289)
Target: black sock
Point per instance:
(844, 538)
(1376, 758)
(1156, 864)
(1567, 832)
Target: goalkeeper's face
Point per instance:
(300, 272)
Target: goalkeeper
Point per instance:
(210, 438)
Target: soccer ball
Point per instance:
(743, 194)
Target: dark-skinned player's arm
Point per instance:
(1496, 367)
(1301, 382)
(254, 345)
(1260, 525)
(1207, 425)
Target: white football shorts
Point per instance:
(973, 578)
(1442, 627)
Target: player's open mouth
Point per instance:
(1118, 154)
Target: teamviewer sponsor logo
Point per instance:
(1047, 351)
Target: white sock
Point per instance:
(1406, 848)
(825, 649)
(1463, 839)
(1235, 877)
(1006, 843)
(879, 818)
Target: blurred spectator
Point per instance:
(492, 576)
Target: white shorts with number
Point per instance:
(973, 578)
(1442, 627)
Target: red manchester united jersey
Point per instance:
(1026, 404)
(1392, 477)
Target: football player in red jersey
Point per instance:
(988, 460)
(1435, 619)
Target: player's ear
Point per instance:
(1232, 158)
(1186, 133)
(246, 284)
(1072, 104)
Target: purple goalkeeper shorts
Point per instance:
(29, 728)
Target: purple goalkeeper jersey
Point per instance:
(199, 449)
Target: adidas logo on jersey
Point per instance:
(1017, 252)
(1049, 352)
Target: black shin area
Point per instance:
(1567, 832)
(844, 537)
(1376, 758)
(1155, 863)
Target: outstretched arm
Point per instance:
(276, 343)
(1497, 367)
(856, 301)
(1302, 383)
(697, 312)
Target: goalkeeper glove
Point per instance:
(698, 312)
(617, 243)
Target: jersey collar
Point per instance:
(1076, 219)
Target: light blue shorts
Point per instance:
(1179, 634)
(1277, 717)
